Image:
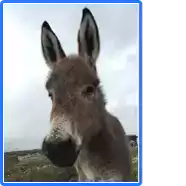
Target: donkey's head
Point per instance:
(73, 86)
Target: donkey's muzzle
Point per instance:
(60, 153)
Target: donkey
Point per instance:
(83, 133)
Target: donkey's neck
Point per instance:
(100, 143)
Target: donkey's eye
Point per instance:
(89, 90)
(50, 95)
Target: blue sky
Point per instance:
(26, 104)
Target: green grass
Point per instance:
(135, 165)
(42, 170)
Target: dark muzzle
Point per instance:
(60, 153)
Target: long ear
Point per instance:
(51, 46)
(88, 37)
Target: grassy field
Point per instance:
(29, 166)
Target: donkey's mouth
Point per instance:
(62, 153)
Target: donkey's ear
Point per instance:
(88, 37)
(51, 46)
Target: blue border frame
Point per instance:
(140, 82)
